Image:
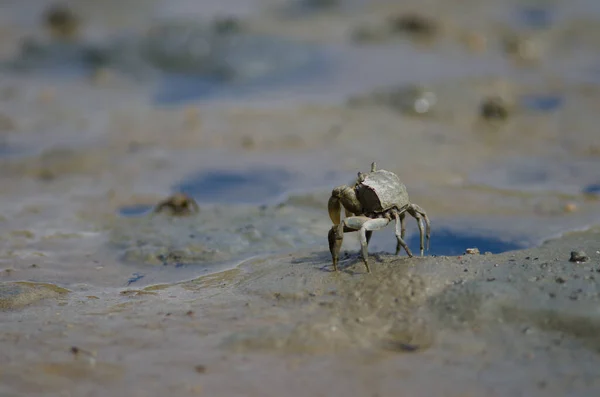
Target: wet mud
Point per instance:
(166, 168)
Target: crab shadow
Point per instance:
(350, 262)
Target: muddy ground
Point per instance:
(519, 323)
(486, 111)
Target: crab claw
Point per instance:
(334, 207)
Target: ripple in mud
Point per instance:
(252, 186)
(16, 295)
(162, 248)
(582, 326)
(485, 304)
(377, 311)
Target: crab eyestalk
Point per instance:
(361, 177)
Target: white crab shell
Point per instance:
(380, 191)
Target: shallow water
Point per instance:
(250, 186)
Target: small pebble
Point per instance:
(472, 251)
(578, 256)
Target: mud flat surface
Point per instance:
(519, 323)
(486, 111)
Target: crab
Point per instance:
(375, 199)
(179, 204)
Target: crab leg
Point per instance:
(336, 235)
(369, 226)
(363, 225)
(421, 231)
(402, 225)
(335, 244)
(336, 238)
(419, 214)
(399, 235)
